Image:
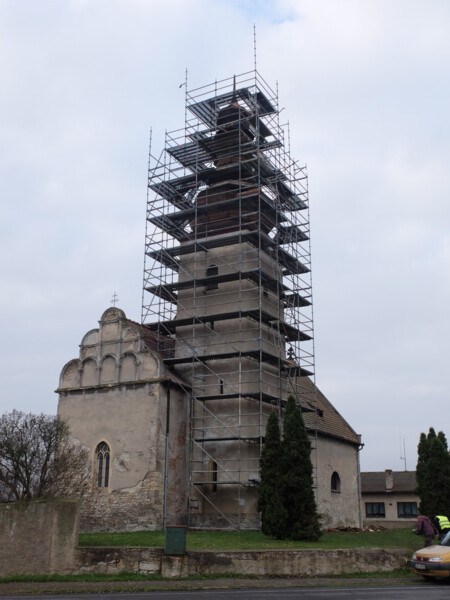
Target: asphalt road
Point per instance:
(431, 591)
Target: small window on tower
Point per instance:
(212, 271)
(213, 466)
(221, 386)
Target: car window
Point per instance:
(446, 540)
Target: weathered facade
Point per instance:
(123, 404)
(335, 456)
(227, 332)
(120, 396)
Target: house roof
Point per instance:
(323, 416)
(374, 482)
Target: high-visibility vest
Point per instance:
(444, 523)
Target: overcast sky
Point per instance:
(365, 85)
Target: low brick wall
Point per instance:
(38, 536)
(286, 563)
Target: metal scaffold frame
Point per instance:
(227, 284)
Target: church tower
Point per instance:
(227, 285)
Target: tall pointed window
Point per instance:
(102, 456)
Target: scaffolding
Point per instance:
(227, 285)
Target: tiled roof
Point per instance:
(373, 482)
(324, 417)
(162, 345)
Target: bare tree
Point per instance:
(38, 458)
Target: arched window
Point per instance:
(335, 482)
(212, 271)
(102, 455)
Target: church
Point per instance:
(173, 409)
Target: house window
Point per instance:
(335, 482)
(406, 510)
(102, 456)
(375, 510)
(212, 271)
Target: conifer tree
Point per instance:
(433, 474)
(421, 468)
(437, 498)
(442, 439)
(297, 481)
(270, 498)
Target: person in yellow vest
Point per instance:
(442, 525)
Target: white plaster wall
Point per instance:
(337, 508)
(130, 423)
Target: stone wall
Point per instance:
(38, 536)
(286, 563)
(137, 508)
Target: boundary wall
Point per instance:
(275, 563)
(41, 536)
(38, 536)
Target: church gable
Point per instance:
(128, 367)
(70, 374)
(108, 370)
(89, 373)
(114, 353)
(119, 400)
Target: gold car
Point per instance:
(433, 561)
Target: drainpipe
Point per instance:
(166, 459)
(361, 446)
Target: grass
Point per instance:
(255, 540)
(227, 540)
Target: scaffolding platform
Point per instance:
(227, 283)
